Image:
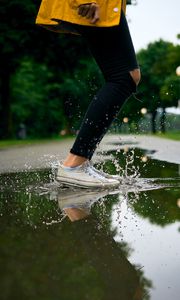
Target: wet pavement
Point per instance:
(68, 243)
(41, 156)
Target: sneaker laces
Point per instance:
(92, 172)
(101, 173)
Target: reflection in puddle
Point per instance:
(104, 244)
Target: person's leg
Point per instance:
(114, 53)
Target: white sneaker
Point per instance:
(83, 176)
(117, 177)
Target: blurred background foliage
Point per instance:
(48, 80)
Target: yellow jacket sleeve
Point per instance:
(80, 2)
(53, 12)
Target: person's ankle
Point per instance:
(73, 164)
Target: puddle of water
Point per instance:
(125, 244)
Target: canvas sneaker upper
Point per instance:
(102, 173)
(83, 176)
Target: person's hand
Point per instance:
(90, 11)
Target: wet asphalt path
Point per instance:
(42, 155)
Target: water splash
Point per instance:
(130, 170)
(42, 191)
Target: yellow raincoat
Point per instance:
(54, 14)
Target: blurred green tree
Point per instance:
(35, 100)
(158, 62)
(169, 94)
(20, 37)
(46, 105)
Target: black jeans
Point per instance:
(113, 50)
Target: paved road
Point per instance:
(40, 156)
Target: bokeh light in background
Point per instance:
(125, 120)
(178, 71)
(144, 111)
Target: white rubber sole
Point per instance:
(78, 184)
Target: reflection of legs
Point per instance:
(113, 51)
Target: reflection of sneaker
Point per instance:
(79, 199)
(83, 176)
(117, 177)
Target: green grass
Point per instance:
(18, 143)
(170, 135)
